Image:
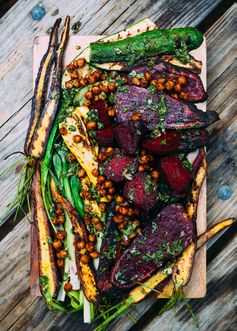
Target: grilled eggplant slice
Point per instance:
(160, 111)
(165, 237)
(193, 87)
(193, 65)
(47, 264)
(42, 130)
(41, 83)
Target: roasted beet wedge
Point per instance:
(193, 86)
(176, 141)
(169, 114)
(100, 106)
(105, 137)
(141, 190)
(176, 173)
(128, 136)
(162, 239)
(164, 144)
(120, 167)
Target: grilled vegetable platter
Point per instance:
(113, 190)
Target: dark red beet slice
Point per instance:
(179, 115)
(128, 136)
(105, 137)
(176, 174)
(141, 190)
(100, 105)
(194, 87)
(165, 143)
(120, 167)
(165, 237)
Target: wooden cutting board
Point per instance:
(197, 284)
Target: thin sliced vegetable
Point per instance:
(41, 84)
(42, 131)
(76, 188)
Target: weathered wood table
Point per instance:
(218, 20)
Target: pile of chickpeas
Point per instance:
(87, 250)
(174, 86)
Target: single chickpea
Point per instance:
(63, 131)
(143, 82)
(92, 237)
(101, 179)
(109, 197)
(141, 168)
(99, 226)
(76, 82)
(183, 95)
(60, 263)
(57, 244)
(90, 246)
(169, 85)
(102, 206)
(153, 82)
(136, 81)
(91, 125)
(121, 226)
(82, 82)
(81, 173)
(85, 259)
(182, 80)
(96, 220)
(95, 172)
(81, 245)
(109, 151)
(69, 85)
(87, 103)
(96, 89)
(61, 235)
(136, 116)
(112, 87)
(132, 236)
(155, 174)
(177, 88)
(89, 95)
(67, 287)
(94, 254)
(60, 219)
(77, 139)
(119, 199)
(80, 62)
(74, 74)
(111, 112)
(70, 67)
(108, 184)
(147, 75)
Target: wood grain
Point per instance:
(96, 17)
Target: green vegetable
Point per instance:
(76, 188)
(147, 44)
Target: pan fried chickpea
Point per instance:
(91, 79)
(160, 87)
(182, 80)
(99, 226)
(143, 82)
(94, 254)
(138, 230)
(85, 259)
(87, 103)
(103, 77)
(111, 112)
(130, 212)
(69, 85)
(90, 246)
(174, 95)
(96, 220)
(136, 222)
(63, 131)
(155, 174)
(141, 168)
(102, 206)
(108, 184)
(62, 254)
(76, 82)
(89, 95)
(83, 82)
(81, 173)
(112, 87)
(144, 159)
(161, 80)
(81, 245)
(153, 82)
(101, 179)
(96, 89)
(102, 192)
(60, 219)
(61, 235)
(136, 81)
(88, 195)
(91, 125)
(74, 74)
(118, 219)
(109, 151)
(119, 199)
(109, 197)
(123, 210)
(59, 210)
(105, 89)
(70, 68)
(92, 237)
(102, 156)
(169, 85)
(79, 63)
(121, 226)
(183, 95)
(67, 287)
(132, 236)
(95, 172)
(112, 190)
(60, 263)
(77, 139)
(136, 116)
(57, 244)
(147, 76)
(96, 74)
(177, 88)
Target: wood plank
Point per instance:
(96, 17)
